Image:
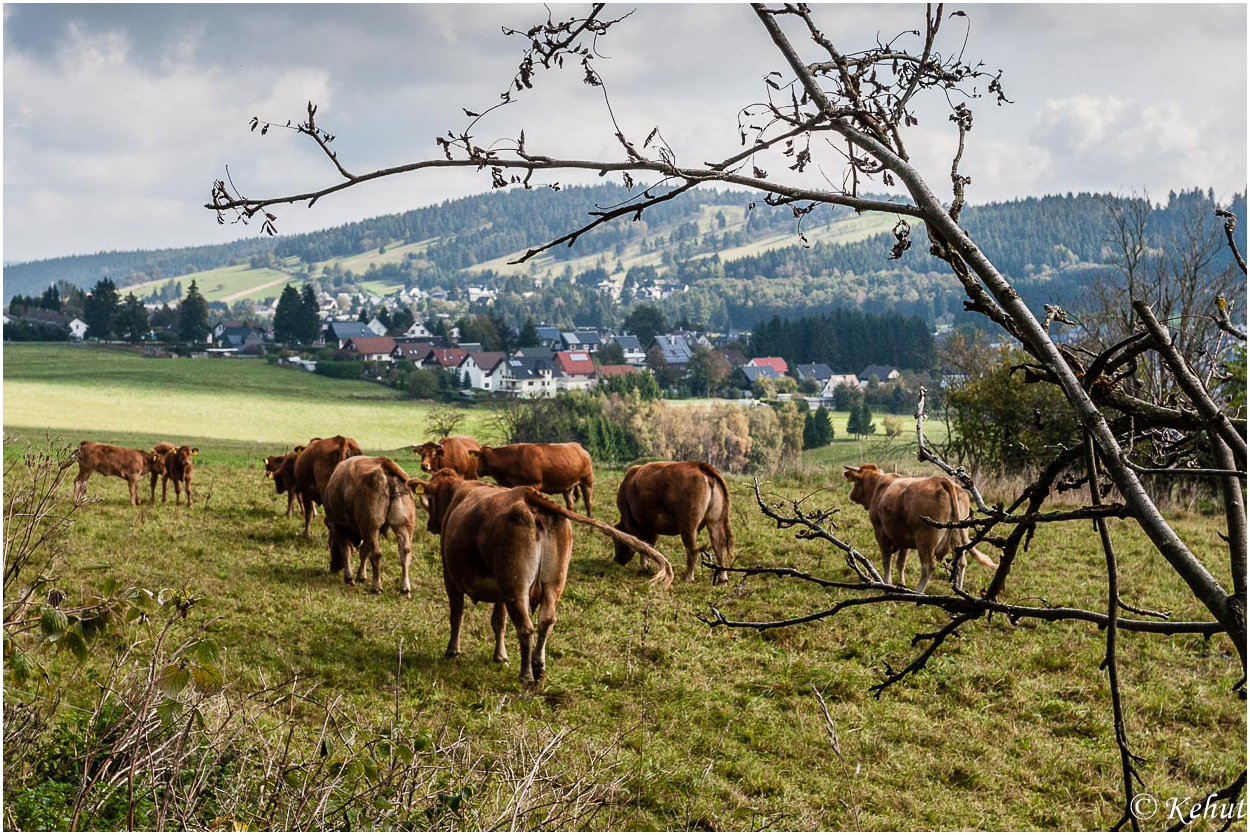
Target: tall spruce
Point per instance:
(193, 316)
(309, 329)
(132, 319)
(286, 318)
(100, 310)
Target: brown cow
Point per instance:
(666, 498)
(313, 467)
(452, 451)
(281, 468)
(108, 459)
(510, 547)
(551, 468)
(364, 498)
(158, 467)
(896, 505)
(178, 466)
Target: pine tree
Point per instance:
(132, 319)
(309, 329)
(286, 319)
(193, 316)
(100, 309)
(529, 334)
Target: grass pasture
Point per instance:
(101, 393)
(682, 726)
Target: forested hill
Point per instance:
(738, 260)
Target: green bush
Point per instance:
(340, 369)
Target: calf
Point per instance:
(281, 468)
(178, 466)
(509, 547)
(551, 468)
(364, 498)
(452, 451)
(666, 498)
(158, 466)
(897, 507)
(313, 466)
(108, 459)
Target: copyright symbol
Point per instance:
(1145, 806)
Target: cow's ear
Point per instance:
(195, 450)
(438, 449)
(851, 473)
(475, 453)
(416, 485)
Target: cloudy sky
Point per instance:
(118, 118)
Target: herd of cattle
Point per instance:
(509, 545)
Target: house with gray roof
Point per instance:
(672, 348)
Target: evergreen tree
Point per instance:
(309, 329)
(401, 321)
(818, 429)
(286, 319)
(193, 316)
(860, 421)
(644, 322)
(132, 319)
(529, 334)
(51, 298)
(100, 309)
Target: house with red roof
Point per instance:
(371, 348)
(607, 371)
(444, 358)
(775, 363)
(574, 370)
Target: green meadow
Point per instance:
(648, 719)
(99, 393)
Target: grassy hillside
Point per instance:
(98, 392)
(649, 719)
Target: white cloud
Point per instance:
(117, 118)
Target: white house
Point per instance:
(478, 365)
(838, 380)
(418, 329)
(528, 378)
(77, 329)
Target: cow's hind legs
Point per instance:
(499, 623)
(370, 547)
(455, 599)
(926, 571)
(518, 610)
(546, 620)
(404, 538)
(690, 541)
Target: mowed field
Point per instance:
(104, 392)
(680, 725)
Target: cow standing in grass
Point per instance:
(898, 506)
(109, 459)
(313, 467)
(666, 498)
(178, 469)
(158, 465)
(364, 498)
(549, 468)
(281, 468)
(452, 452)
(509, 547)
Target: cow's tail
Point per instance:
(662, 578)
(961, 534)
